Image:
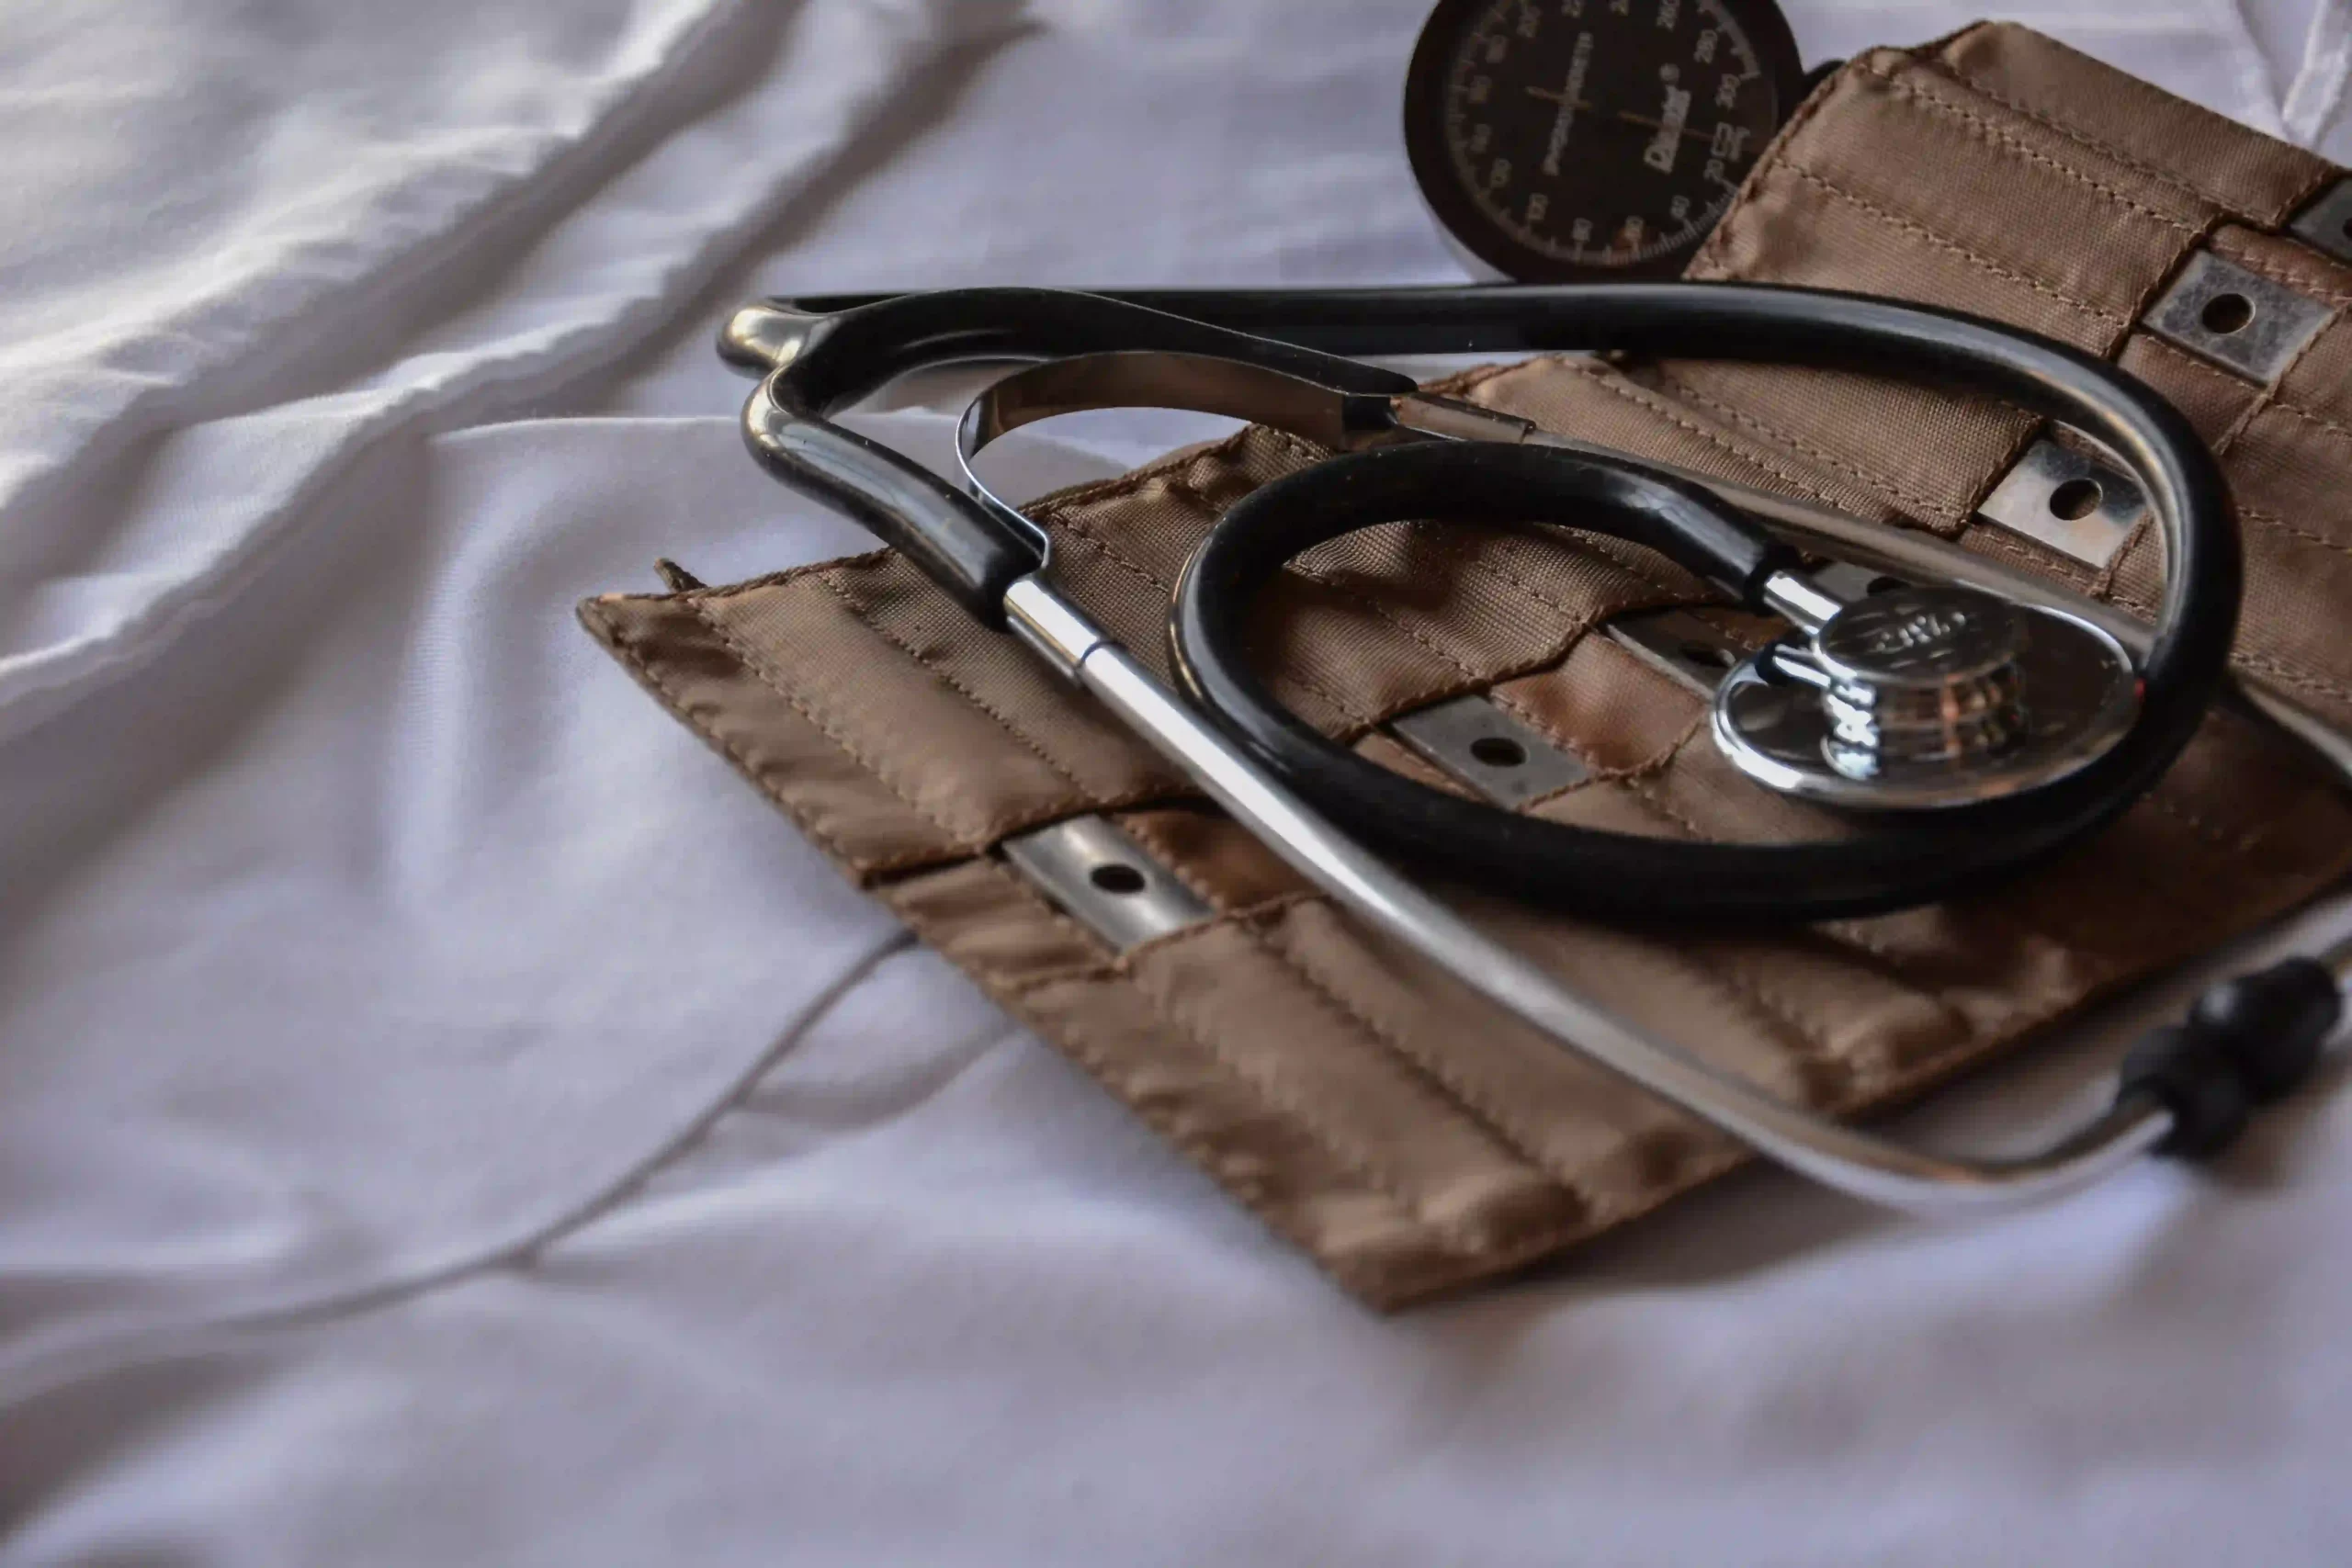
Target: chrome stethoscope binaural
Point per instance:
(1984, 719)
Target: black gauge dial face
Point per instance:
(1560, 138)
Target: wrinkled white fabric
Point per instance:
(2313, 101)
(447, 1117)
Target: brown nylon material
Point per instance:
(2288, 449)
(2153, 140)
(1406, 1138)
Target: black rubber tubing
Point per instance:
(974, 553)
(971, 551)
(1631, 879)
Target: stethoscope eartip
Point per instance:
(765, 336)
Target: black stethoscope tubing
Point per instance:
(1890, 865)
(1625, 878)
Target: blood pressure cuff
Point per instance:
(1409, 1139)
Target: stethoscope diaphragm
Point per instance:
(1926, 697)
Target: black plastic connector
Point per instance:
(2272, 1023)
(2248, 1041)
(2180, 1069)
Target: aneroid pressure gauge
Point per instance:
(1587, 140)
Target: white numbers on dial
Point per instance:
(1497, 138)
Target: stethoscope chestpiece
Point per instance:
(1921, 698)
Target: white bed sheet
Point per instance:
(445, 1116)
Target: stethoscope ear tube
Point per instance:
(831, 360)
(973, 551)
(819, 363)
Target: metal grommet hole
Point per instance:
(1477, 742)
(2226, 313)
(1708, 656)
(2240, 320)
(1498, 751)
(2077, 499)
(1113, 877)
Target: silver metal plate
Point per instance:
(2237, 319)
(1486, 748)
(1682, 645)
(2080, 696)
(2076, 505)
(1105, 881)
(2326, 224)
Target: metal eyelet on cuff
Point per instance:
(2239, 320)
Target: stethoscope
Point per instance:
(1980, 720)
